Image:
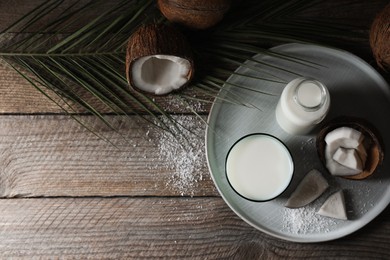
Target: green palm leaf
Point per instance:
(56, 49)
(83, 67)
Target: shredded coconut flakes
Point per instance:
(182, 153)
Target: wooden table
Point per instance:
(65, 193)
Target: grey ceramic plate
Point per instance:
(356, 89)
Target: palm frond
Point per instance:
(76, 57)
(69, 64)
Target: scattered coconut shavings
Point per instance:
(182, 153)
(305, 220)
(177, 103)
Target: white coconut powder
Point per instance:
(305, 220)
(182, 153)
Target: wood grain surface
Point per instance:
(66, 193)
(53, 155)
(139, 228)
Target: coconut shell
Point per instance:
(380, 38)
(374, 143)
(157, 39)
(195, 14)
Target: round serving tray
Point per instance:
(246, 105)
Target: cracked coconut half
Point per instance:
(158, 59)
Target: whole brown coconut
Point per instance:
(374, 143)
(195, 14)
(158, 59)
(380, 38)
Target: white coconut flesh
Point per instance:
(160, 74)
(345, 152)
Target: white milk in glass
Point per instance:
(259, 167)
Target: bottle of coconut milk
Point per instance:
(303, 104)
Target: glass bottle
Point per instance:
(303, 104)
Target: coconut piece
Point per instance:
(372, 142)
(380, 38)
(346, 137)
(334, 167)
(194, 14)
(348, 157)
(334, 206)
(158, 59)
(309, 189)
(337, 169)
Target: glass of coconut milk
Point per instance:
(259, 167)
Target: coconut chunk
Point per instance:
(346, 137)
(349, 158)
(158, 59)
(309, 189)
(344, 151)
(160, 74)
(337, 169)
(334, 167)
(370, 149)
(334, 206)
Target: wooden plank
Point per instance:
(171, 228)
(53, 155)
(19, 96)
(12, 10)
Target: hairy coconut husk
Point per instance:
(195, 14)
(374, 143)
(157, 39)
(380, 38)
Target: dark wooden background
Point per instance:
(67, 194)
